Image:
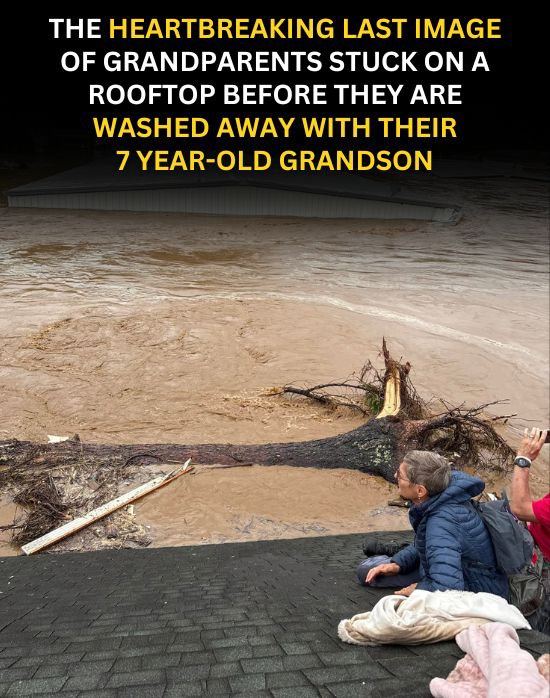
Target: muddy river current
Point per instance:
(141, 328)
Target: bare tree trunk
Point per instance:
(372, 448)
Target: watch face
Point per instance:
(522, 462)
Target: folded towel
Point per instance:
(426, 617)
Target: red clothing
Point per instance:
(540, 529)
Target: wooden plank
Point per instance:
(100, 512)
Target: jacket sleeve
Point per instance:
(443, 556)
(407, 559)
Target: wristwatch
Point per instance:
(522, 462)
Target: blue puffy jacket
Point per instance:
(451, 542)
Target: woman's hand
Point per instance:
(407, 591)
(387, 569)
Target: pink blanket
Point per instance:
(494, 667)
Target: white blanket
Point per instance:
(426, 617)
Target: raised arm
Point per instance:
(521, 499)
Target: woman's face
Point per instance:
(406, 488)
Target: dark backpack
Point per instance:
(512, 542)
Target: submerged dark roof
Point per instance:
(102, 175)
(253, 618)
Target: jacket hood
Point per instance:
(461, 489)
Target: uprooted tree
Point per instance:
(397, 420)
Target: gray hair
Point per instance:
(428, 469)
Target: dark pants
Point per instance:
(396, 581)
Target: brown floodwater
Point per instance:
(136, 327)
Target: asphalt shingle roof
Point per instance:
(255, 619)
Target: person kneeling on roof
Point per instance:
(452, 547)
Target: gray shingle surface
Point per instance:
(249, 618)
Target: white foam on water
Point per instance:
(523, 356)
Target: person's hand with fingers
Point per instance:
(387, 569)
(407, 591)
(532, 443)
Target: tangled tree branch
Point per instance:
(365, 392)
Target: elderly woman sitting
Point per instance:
(452, 548)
